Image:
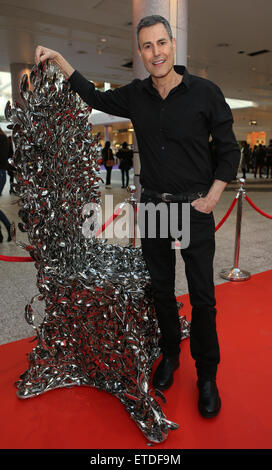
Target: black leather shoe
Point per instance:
(209, 402)
(163, 377)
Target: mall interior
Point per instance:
(226, 42)
(98, 39)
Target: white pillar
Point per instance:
(178, 20)
(176, 12)
(17, 71)
(21, 49)
(108, 132)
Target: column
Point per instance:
(17, 70)
(178, 19)
(21, 50)
(108, 132)
(176, 12)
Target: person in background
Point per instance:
(269, 159)
(125, 158)
(259, 160)
(108, 162)
(254, 158)
(248, 157)
(6, 222)
(4, 155)
(245, 158)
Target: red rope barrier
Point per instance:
(110, 219)
(227, 214)
(257, 208)
(20, 259)
(99, 231)
(14, 259)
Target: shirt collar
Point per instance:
(181, 69)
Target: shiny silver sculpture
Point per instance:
(98, 325)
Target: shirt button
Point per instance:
(163, 147)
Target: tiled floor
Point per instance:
(18, 280)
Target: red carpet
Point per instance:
(86, 418)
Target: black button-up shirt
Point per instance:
(173, 133)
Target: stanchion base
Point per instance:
(235, 274)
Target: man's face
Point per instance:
(156, 50)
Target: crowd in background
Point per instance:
(257, 160)
(124, 158)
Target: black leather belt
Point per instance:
(167, 197)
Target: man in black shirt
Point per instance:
(173, 114)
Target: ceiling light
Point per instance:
(238, 104)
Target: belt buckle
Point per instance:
(164, 197)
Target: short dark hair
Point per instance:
(150, 21)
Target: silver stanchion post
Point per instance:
(133, 214)
(236, 274)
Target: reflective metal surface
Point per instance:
(236, 274)
(97, 326)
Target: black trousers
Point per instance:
(160, 258)
(258, 166)
(269, 166)
(125, 173)
(108, 177)
(5, 221)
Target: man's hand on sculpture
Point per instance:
(43, 53)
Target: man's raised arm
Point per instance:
(115, 102)
(42, 54)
